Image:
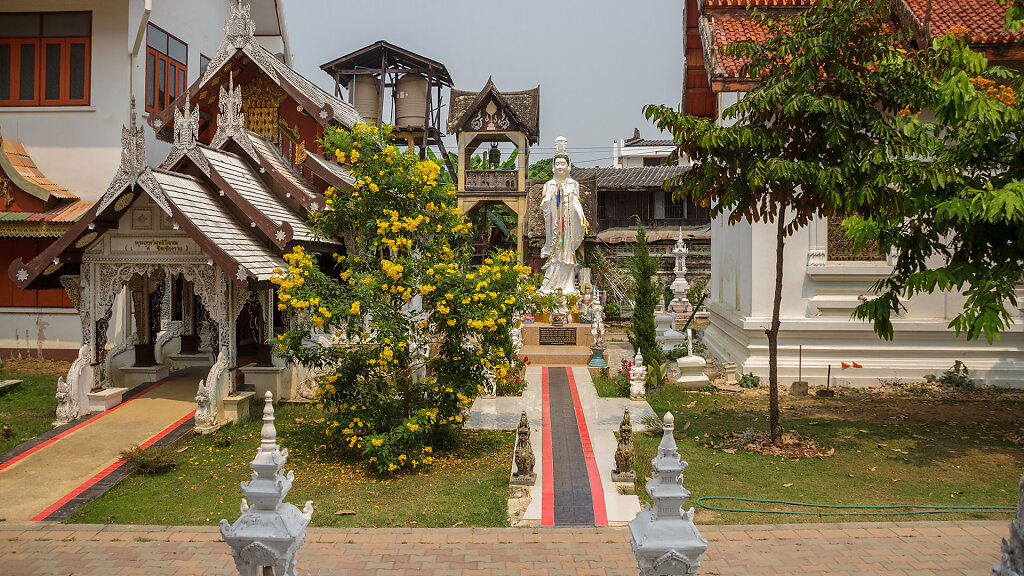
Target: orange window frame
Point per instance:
(39, 72)
(64, 99)
(17, 45)
(175, 77)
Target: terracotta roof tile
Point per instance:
(21, 163)
(728, 30)
(984, 19)
(755, 3)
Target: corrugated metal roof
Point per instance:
(66, 212)
(628, 178)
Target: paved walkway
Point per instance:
(853, 549)
(601, 418)
(38, 483)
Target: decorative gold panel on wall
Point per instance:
(840, 247)
(260, 101)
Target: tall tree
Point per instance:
(961, 225)
(643, 331)
(816, 136)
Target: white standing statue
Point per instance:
(564, 224)
(638, 378)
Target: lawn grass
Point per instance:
(606, 387)
(467, 486)
(28, 410)
(888, 450)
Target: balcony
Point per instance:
(492, 180)
(605, 223)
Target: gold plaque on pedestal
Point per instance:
(558, 336)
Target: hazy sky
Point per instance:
(598, 62)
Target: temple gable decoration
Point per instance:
(238, 48)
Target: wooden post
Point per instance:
(380, 92)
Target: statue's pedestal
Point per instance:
(573, 334)
(567, 345)
(105, 399)
(236, 406)
(133, 376)
(691, 372)
(265, 379)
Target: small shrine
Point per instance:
(491, 117)
(192, 245)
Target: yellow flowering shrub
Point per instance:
(420, 325)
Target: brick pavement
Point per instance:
(850, 549)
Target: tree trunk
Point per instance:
(775, 426)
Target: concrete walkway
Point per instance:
(36, 482)
(853, 549)
(602, 417)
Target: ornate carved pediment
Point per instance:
(133, 161)
(186, 138)
(491, 117)
(231, 120)
(260, 101)
(240, 28)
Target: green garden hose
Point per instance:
(911, 508)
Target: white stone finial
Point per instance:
(663, 537)
(270, 531)
(560, 143)
(268, 434)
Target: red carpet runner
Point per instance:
(572, 494)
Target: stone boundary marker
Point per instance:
(856, 548)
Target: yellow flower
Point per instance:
(354, 156)
(355, 308)
(378, 442)
(339, 156)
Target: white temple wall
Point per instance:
(817, 300)
(79, 147)
(816, 305)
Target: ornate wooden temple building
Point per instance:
(196, 241)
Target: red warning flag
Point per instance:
(855, 365)
(845, 365)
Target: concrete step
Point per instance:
(557, 355)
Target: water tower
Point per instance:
(408, 83)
